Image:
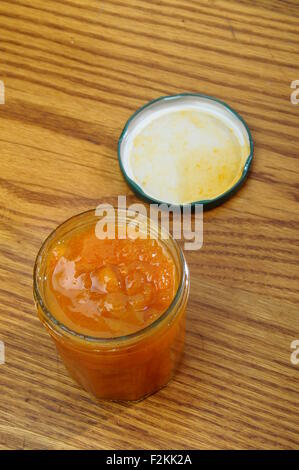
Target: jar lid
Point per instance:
(185, 149)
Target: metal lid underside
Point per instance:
(185, 149)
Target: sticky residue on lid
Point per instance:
(185, 150)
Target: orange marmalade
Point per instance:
(114, 307)
(109, 288)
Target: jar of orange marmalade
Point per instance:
(115, 308)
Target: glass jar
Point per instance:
(125, 368)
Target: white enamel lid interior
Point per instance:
(184, 148)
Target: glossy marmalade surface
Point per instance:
(108, 288)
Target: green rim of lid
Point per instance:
(207, 203)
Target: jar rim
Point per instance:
(62, 328)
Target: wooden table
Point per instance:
(74, 71)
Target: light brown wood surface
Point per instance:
(74, 71)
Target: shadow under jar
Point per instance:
(121, 365)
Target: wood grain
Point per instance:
(74, 71)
